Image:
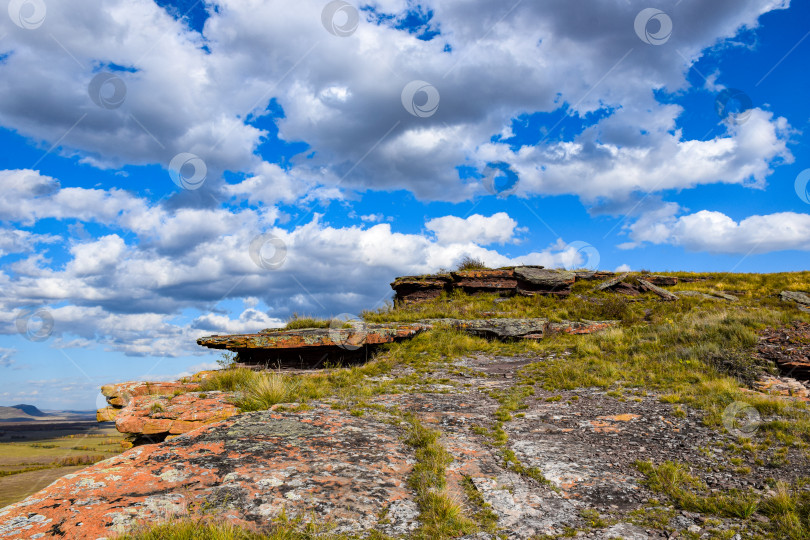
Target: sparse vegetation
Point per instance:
(788, 508)
(440, 516)
(297, 323)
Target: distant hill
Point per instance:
(30, 410)
(20, 413)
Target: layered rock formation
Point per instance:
(523, 280)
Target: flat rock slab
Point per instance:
(253, 467)
(714, 295)
(784, 386)
(372, 334)
(610, 283)
(362, 334)
(663, 293)
(537, 328)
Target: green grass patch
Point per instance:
(439, 515)
(307, 322)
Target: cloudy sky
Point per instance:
(176, 169)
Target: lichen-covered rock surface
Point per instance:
(351, 469)
(253, 467)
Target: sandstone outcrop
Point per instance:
(292, 348)
(120, 395)
(419, 288)
(482, 281)
(151, 412)
(510, 281)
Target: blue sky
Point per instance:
(177, 169)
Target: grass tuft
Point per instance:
(471, 263)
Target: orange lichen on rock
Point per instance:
(253, 467)
(172, 415)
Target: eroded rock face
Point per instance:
(474, 281)
(662, 281)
